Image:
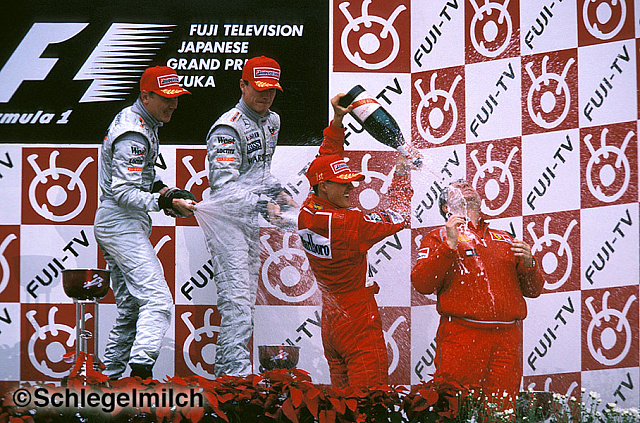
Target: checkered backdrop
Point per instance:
(535, 102)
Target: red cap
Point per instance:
(163, 81)
(262, 73)
(331, 167)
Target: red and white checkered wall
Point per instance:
(535, 102)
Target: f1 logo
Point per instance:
(25, 64)
(114, 65)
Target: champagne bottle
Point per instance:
(378, 122)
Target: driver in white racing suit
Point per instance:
(240, 145)
(130, 190)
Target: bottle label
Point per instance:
(364, 105)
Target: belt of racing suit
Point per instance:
(480, 324)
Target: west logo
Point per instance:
(137, 151)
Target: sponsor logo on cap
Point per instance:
(165, 80)
(172, 91)
(266, 73)
(339, 166)
(348, 175)
(264, 84)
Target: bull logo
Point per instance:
(548, 98)
(495, 185)
(369, 43)
(604, 18)
(57, 194)
(52, 364)
(605, 165)
(440, 108)
(553, 261)
(491, 28)
(283, 271)
(206, 348)
(607, 327)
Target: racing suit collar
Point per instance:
(316, 203)
(252, 114)
(482, 224)
(152, 122)
(481, 228)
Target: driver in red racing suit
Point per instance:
(336, 239)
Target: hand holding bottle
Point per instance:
(457, 214)
(366, 110)
(339, 111)
(453, 225)
(456, 203)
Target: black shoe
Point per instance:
(143, 371)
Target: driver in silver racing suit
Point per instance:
(130, 190)
(240, 145)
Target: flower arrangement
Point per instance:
(289, 396)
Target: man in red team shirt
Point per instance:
(481, 276)
(336, 239)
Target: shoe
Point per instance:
(143, 371)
